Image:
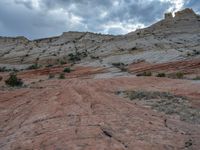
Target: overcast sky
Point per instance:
(43, 18)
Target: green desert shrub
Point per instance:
(94, 57)
(146, 95)
(74, 57)
(4, 69)
(49, 65)
(62, 62)
(118, 64)
(121, 66)
(196, 78)
(146, 73)
(13, 80)
(62, 76)
(67, 70)
(179, 75)
(161, 75)
(51, 76)
(35, 66)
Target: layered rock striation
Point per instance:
(170, 39)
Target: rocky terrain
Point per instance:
(172, 38)
(87, 91)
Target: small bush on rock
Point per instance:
(67, 70)
(62, 76)
(4, 69)
(51, 76)
(35, 66)
(62, 62)
(13, 80)
(179, 75)
(161, 75)
(146, 73)
(196, 78)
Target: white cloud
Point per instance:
(123, 27)
(103, 14)
(34, 4)
(176, 5)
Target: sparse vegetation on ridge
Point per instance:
(62, 62)
(51, 76)
(94, 57)
(13, 80)
(121, 66)
(196, 78)
(161, 75)
(118, 64)
(34, 66)
(166, 102)
(67, 70)
(146, 73)
(74, 57)
(61, 76)
(4, 69)
(48, 66)
(179, 75)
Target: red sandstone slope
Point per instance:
(185, 66)
(86, 114)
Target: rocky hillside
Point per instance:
(171, 39)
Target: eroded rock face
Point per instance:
(173, 38)
(186, 13)
(168, 16)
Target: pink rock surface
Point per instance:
(86, 114)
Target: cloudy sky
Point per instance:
(44, 18)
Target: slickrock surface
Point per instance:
(87, 114)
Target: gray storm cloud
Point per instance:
(43, 18)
